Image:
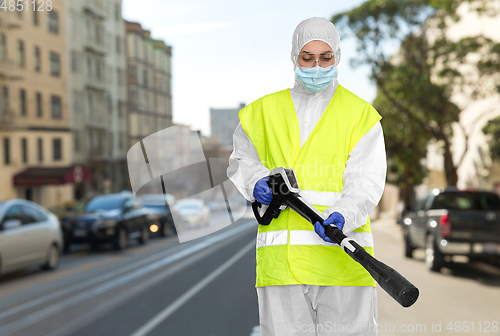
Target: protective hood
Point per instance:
(310, 106)
(315, 29)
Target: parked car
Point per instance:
(111, 218)
(29, 235)
(194, 212)
(454, 222)
(160, 208)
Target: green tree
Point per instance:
(492, 131)
(415, 84)
(406, 146)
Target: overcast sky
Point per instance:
(228, 52)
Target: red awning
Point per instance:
(35, 176)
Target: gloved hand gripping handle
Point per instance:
(397, 286)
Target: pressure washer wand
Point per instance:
(285, 190)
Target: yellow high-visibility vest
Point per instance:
(288, 250)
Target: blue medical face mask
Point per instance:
(316, 79)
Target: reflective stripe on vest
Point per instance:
(306, 237)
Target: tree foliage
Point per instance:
(417, 68)
(492, 130)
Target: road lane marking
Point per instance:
(84, 319)
(109, 285)
(155, 321)
(83, 285)
(88, 283)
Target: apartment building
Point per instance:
(223, 122)
(149, 83)
(35, 138)
(97, 93)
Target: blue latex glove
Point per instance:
(335, 218)
(262, 192)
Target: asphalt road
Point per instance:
(206, 287)
(463, 298)
(201, 287)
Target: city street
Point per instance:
(206, 287)
(114, 156)
(461, 293)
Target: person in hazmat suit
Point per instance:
(306, 284)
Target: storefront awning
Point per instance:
(36, 176)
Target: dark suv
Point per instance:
(108, 218)
(454, 222)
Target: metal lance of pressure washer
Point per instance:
(285, 188)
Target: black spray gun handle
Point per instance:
(284, 194)
(266, 213)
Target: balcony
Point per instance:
(99, 45)
(9, 71)
(94, 82)
(96, 7)
(6, 119)
(9, 21)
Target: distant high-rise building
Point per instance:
(35, 138)
(223, 122)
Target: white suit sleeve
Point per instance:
(245, 168)
(364, 180)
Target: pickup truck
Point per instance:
(454, 222)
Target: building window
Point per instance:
(133, 99)
(98, 66)
(76, 141)
(20, 53)
(22, 102)
(37, 59)
(57, 149)
(40, 150)
(56, 107)
(3, 47)
(117, 12)
(5, 100)
(35, 16)
(137, 47)
(24, 149)
(74, 62)
(118, 45)
(54, 64)
(133, 73)
(53, 22)
(89, 67)
(6, 151)
(121, 77)
(39, 111)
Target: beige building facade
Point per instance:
(35, 138)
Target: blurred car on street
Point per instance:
(218, 205)
(453, 222)
(160, 208)
(29, 235)
(194, 212)
(112, 218)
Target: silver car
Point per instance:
(29, 235)
(194, 212)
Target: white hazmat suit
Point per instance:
(310, 309)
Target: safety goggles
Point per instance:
(309, 60)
